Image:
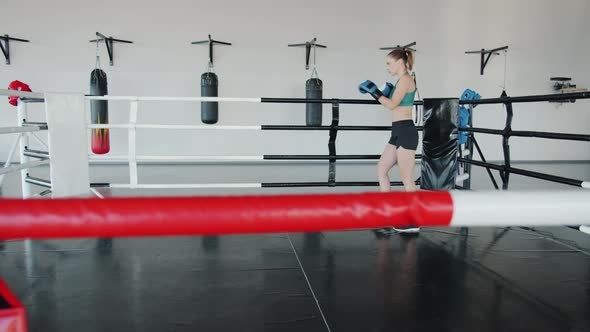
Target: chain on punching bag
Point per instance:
(99, 110)
(209, 110)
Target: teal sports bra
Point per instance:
(408, 99)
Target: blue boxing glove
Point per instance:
(464, 114)
(469, 94)
(370, 87)
(388, 90)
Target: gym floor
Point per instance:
(445, 279)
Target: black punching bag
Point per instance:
(99, 112)
(209, 110)
(313, 112)
(440, 144)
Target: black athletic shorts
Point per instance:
(404, 134)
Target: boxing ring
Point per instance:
(69, 216)
(466, 155)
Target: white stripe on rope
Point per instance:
(6, 92)
(30, 164)
(212, 99)
(187, 186)
(156, 126)
(586, 185)
(506, 208)
(178, 158)
(13, 130)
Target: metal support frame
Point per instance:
(36, 153)
(109, 43)
(22, 114)
(38, 125)
(486, 55)
(308, 46)
(210, 41)
(37, 181)
(6, 46)
(404, 47)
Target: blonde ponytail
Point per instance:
(410, 59)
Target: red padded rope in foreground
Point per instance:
(121, 217)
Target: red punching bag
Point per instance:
(99, 110)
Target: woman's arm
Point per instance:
(400, 91)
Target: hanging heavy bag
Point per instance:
(313, 112)
(209, 110)
(99, 112)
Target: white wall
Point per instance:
(546, 38)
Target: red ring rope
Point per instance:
(121, 217)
